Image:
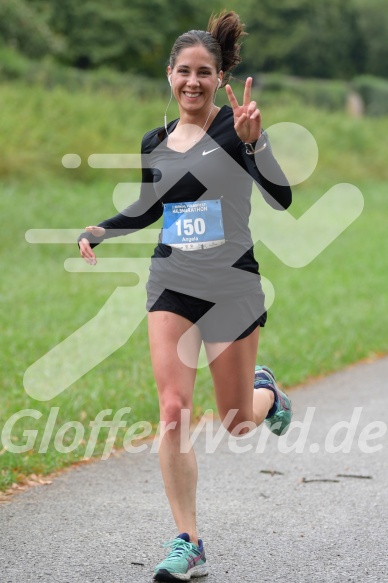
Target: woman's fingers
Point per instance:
(251, 108)
(256, 115)
(247, 117)
(84, 245)
(248, 105)
(231, 96)
(248, 125)
(247, 91)
(87, 252)
(242, 127)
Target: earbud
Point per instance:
(219, 83)
(169, 80)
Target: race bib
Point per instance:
(190, 226)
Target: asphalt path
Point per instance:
(309, 507)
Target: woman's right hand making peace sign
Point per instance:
(247, 117)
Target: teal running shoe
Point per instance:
(184, 561)
(279, 416)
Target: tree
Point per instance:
(324, 38)
(304, 38)
(372, 20)
(22, 28)
(135, 36)
(331, 45)
(275, 30)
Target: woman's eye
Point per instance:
(186, 72)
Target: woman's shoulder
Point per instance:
(223, 127)
(224, 120)
(154, 137)
(151, 140)
(226, 112)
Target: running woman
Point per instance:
(204, 283)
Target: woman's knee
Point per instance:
(175, 410)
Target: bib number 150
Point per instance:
(190, 227)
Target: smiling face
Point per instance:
(194, 79)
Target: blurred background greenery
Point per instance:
(88, 77)
(79, 43)
(327, 39)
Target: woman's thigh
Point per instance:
(174, 379)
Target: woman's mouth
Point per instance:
(191, 95)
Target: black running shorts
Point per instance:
(227, 320)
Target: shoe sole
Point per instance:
(164, 575)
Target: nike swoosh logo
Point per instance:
(204, 153)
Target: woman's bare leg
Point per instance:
(233, 374)
(175, 382)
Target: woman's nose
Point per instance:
(192, 80)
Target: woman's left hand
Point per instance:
(247, 118)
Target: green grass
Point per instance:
(326, 315)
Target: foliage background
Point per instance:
(324, 38)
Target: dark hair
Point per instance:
(220, 39)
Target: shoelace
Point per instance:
(262, 382)
(179, 546)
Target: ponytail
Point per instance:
(227, 29)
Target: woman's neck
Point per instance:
(198, 118)
(187, 133)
